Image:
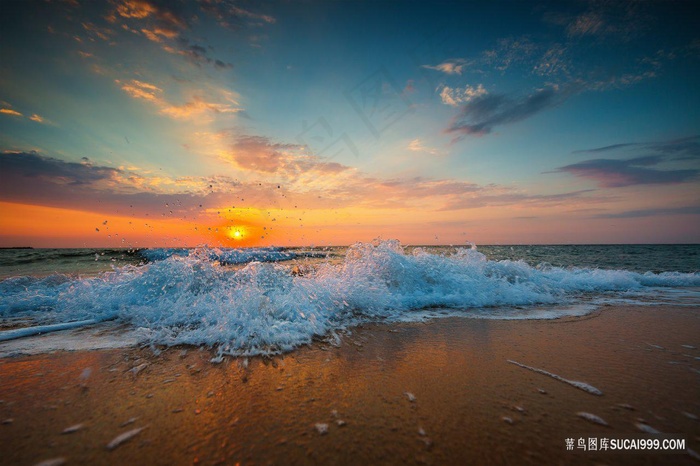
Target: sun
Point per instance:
(235, 233)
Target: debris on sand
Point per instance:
(647, 429)
(120, 439)
(575, 383)
(52, 462)
(72, 429)
(322, 428)
(592, 418)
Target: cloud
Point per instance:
(611, 173)
(687, 148)
(196, 53)
(607, 148)
(158, 34)
(231, 16)
(9, 111)
(39, 119)
(141, 90)
(506, 53)
(659, 212)
(165, 24)
(33, 165)
(97, 32)
(164, 13)
(453, 66)
(318, 182)
(553, 62)
(416, 145)
(600, 19)
(194, 107)
(493, 197)
(589, 23)
(258, 153)
(34, 117)
(510, 51)
(456, 96)
(35, 179)
(481, 114)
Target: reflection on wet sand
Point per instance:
(437, 393)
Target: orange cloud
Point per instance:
(196, 107)
(136, 9)
(142, 9)
(9, 111)
(190, 109)
(158, 33)
(141, 90)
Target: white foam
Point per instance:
(264, 308)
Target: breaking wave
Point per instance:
(267, 307)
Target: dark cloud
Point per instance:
(687, 148)
(480, 115)
(198, 54)
(486, 199)
(611, 173)
(609, 148)
(602, 19)
(687, 210)
(31, 166)
(31, 178)
(681, 149)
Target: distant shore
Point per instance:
(442, 392)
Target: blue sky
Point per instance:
(494, 122)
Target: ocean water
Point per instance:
(271, 300)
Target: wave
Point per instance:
(224, 256)
(269, 307)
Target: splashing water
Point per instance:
(264, 308)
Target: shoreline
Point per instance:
(439, 392)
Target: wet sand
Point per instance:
(441, 392)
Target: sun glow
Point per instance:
(236, 233)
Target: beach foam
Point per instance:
(195, 298)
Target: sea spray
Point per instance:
(263, 307)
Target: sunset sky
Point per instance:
(240, 123)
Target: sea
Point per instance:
(262, 301)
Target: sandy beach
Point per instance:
(441, 392)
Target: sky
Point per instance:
(150, 123)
